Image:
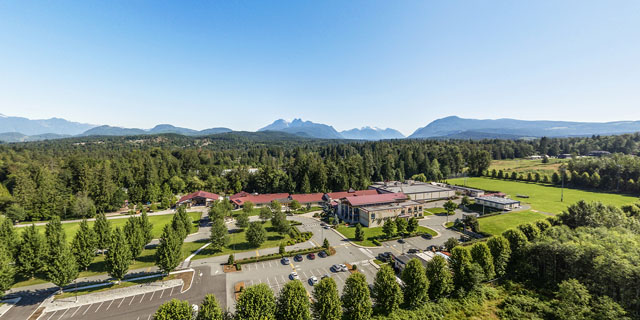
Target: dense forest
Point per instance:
(78, 177)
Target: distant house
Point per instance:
(415, 190)
(498, 203)
(598, 153)
(259, 200)
(199, 198)
(535, 157)
(564, 156)
(312, 199)
(468, 191)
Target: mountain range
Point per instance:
(18, 129)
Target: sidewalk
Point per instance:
(8, 304)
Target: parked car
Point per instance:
(336, 268)
(285, 260)
(313, 280)
(322, 254)
(343, 268)
(298, 258)
(427, 236)
(384, 256)
(401, 241)
(311, 256)
(414, 250)
(327, 227)
(325, 276)
(294, 276)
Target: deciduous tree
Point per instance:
(293, 303)
(174, 309)
(389, 228)
(256, 303)
(440, 279)
(416, 284)
(482, 256)
(219, 234)
(327, 304)
(30, 257)
(118, 256)
(386, 291)
(356, 300)
(210, 309)
(102, 229)
(256, 234)
(500, 252)
(169, 250)
(84, 245)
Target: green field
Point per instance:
(158, 222)
(524, 166)
(545, 198)
(432, 211)
(371, 233)
(497, 224)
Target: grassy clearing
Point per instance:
(371, 233)
(523, 166)
(433, 211)
(497, 224)
(158, 222)
(545, 198)
(238, 243)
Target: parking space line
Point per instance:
(149, 317)
(109, 306)
(268, 282)
(121, 302)
(65, 312)
(87, 309)
(305, 275)
(171, 291)
(284, 280)
(152, 294)
(142, 298)
(99, 306)
(263, 265)
(51, 316)
(162, 293)
(74, 313)
(132, 298)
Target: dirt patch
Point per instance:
(238, 289)
(186, 279)
(229, 268)
(37, 314)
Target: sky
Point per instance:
(244, 64)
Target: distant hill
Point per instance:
(369, 133)
(113, 131)
(453, 125)
(19, 137)
(304, 129)
(167, 128)
(477, 135)
(35, 127)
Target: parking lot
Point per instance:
(276, 274)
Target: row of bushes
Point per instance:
(377, 240)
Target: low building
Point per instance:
(337, 196)
(415, 190)
(468, 191)
(373, 210)
(201, 198)
(565, 156)
(260, 200)
(598, 153)
(401, 261)
(311, 199)
(499, 203)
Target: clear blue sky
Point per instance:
(243, 64)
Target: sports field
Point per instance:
(495, 225)
(545, 198)
(524, 166)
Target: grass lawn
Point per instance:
(545, 198)
(432, 211)
(372, 233)
(495, 225)
(158, 222)
(238, 243)
(524, 166)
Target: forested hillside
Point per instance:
(70, 177)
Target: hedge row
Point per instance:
(275, 256)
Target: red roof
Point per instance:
(376, 199)
(239, 195)
(351, 193)
(307, 197)
(199, 194)
(260, 198)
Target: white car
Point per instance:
(313, 280)
(343, 267)
(294, 276)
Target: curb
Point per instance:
(8, 304)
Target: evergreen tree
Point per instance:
(412, 227)
(146, 226)
(210, 309)
(62, 269)
(401, 226)
(118, 256)
(359, 232)
(461, 265)
(416, 284)
(169, 252)
(293, 303)
(389, 228)
(178, 226)
(174, 309)
(386, 291)
(7, 271)
(219, 237)
(54, 237)
(501, 253)
(440, 279)
(256, 234)
(8, 236)
(256, 303)
(356, 300)
(29, 258)
(83, 246)
(102, 229)
(325, 243)
(326, 300)
(482, 256)
(135, 236)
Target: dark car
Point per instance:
(427, 236)
(322, 254)
(285, 260)
(384, 257)
(297, 258)
(311, 256)
(414, 250)
(400, 240)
